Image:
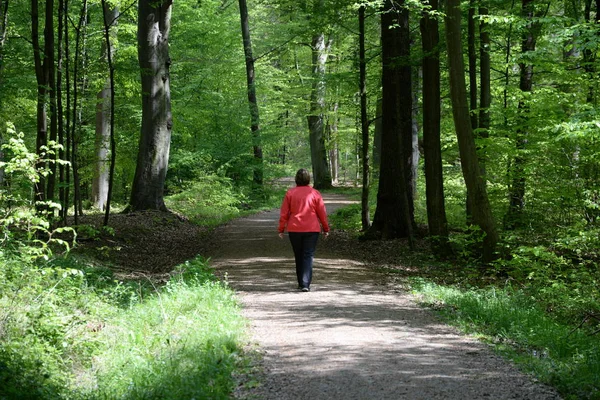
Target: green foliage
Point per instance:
(71, 331)
(560, 355)
(208, 201)
(25, 230)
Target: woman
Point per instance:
(303, 213)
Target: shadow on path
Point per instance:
(349, 338)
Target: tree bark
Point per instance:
(393, 217)
(74, 140)
(482, 213)
(254, 115)
(154, 22)
(364, 122)
(434, 179)
(41, 111)
(100, 180)
(485, 91)
(513, 217)
(318, 152)
(110, 18)
(3, 32)
(472, 63)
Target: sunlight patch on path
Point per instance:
(350, 337)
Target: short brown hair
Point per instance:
(302, 177)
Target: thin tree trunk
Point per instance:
(364, 122)
(74, 152)
(320, 52)
(59, 105)
(513, 217)
(67, 153)
(377, 139)
(254, 115)
(154, 22)
(110, 17)
(42, 120)
(434, 179)
(50, 70)
(332, 138)
(472, 63)
(3, 31)
(393, 216)
(101, 178)
(485, 91)
(482, 213)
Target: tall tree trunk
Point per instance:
(364, 122)
(482, 213)
(154, 22)
(471, 46)
(254, 115)
(485, 91)
(393, 216)
(377, 139)
(434, 178)
(414, 146)
(59, 105)
(50, 70)
(74, 141)
(110, 18)
(3, 31)
(318, 152)
(42, 115)
(472, 56)
(332, 138)
(100, 179)
(67, 152)
(513, 217)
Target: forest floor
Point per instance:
(359, 334)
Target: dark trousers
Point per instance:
(304, 245)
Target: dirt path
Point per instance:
(350, 338)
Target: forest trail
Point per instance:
(351, 337)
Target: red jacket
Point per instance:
(303, 210)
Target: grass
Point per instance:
(70, 335)
(536, 325)
(557, 353)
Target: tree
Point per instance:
(320, 47)
(482, 213)
(254, 115)
(513, 216)
(393, 215)
(154, 22)
(364, 122)
(434, 179)
(100, 181)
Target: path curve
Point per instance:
(350, 338)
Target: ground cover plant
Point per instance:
(538, 303)
(82, 318)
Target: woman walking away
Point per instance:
(303, 213)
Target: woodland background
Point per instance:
(471, 130)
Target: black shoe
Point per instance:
(305, 289)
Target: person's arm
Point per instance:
(322, 214)
(284, 214)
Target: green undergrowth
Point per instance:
(73, 332)
(539, 302)
(213, 200)
(557, 353)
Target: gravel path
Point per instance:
(350, 337)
